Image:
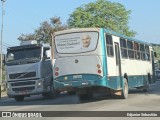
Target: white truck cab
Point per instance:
(29, 70)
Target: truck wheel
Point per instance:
(51, 94)
(124, 94)
(19, 98)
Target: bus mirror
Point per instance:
(155, 54)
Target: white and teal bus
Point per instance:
(92, 60)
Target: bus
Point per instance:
(90, 60)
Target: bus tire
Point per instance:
(19, 98)
(125, 90)
(71, 92)
(146, 87)
(82, 96)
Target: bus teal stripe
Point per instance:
(104, 60)
(137, 80)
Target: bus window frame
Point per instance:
(108, 46)
(124, 48)
(147, 53)
(142, 52)
(130, 50)
(137, 51)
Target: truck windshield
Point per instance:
(76, 42)
(29, 54)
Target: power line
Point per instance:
(1, 70)
(26, 13)
(7, 44)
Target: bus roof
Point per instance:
(108, 31)
(125, 37)
(76, 30)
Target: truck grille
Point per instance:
(23, 83)
(23, 89)
(22, 75)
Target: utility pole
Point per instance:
(1, 61)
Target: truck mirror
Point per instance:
(4, 62)
(47, 54)
(4, 59)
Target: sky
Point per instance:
(24, 16)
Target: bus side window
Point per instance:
(123, 46)
(130, 49)
(136, 51)
(109, 43)
(147, 53)
(142, 50)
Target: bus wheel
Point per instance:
(82, 96)
(146, 87)
(19, 98)
(124, 94)
(71, 92)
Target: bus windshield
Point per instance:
(24, 54)
(77, 42)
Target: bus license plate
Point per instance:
(77, 76)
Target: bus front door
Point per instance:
(118, 60)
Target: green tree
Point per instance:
(102, 13)
(157, 50)
(43, 33)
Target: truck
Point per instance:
(29, 70)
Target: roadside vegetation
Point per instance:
(157, 50)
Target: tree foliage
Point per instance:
(43, 33)
(102, 13)
(157, 50)
(3, 68)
